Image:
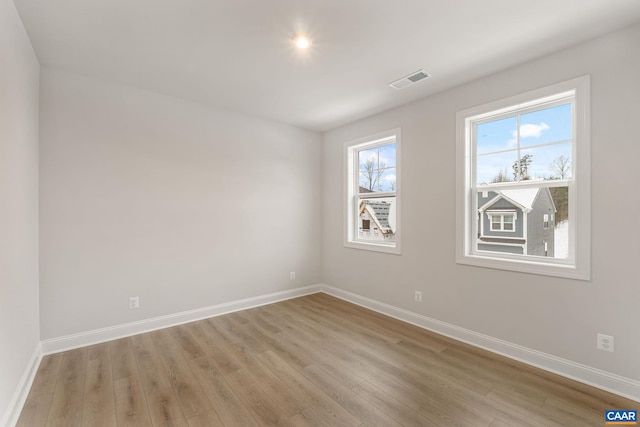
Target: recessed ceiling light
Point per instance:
(302, 42)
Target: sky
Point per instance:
(384, 159)
(545, 134)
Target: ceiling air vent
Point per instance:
(409, 80)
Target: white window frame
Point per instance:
(502, 222)
(351, 184)
(578, 265)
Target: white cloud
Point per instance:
(533, 131)
(368, 155)
(528, 130)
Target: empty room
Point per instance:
(327, 213)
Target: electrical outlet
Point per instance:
(418, 296)
(134, 302)
(292, 275)
(605, 342)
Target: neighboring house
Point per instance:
(374, 220)
(517, 221)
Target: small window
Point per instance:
(507, 222)
(502, 222)
(373, 193)
(528, 154)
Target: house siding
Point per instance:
(503, 204)
(536, 234)
(518, 250)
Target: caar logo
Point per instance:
(621, 417)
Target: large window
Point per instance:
(521, 162)
(373, 193)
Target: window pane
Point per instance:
(559, 222)
(497, 135)
(508, 222)
(367, 182)
(388, 180)
(387, 155)
(377, 219)
(368, 159)
(546, 211)
(493, 168)
(545, 126)
(377, 169)
(548, 162)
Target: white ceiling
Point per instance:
(238, 54)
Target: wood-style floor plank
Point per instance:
(123, 358)
(45, 380)
(349, 399)
(330, 410)
(212, 347)
(260, 405)
(188, 391)
(208, 419)
(225, 402)
(165, 410)
(391, 406)
(309, 361)
(131, 403)
(98, 408)
(152, 374)
(68, 394)
(35, 410)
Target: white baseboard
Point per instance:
(12, 413)
(607, 381)
(69, 342)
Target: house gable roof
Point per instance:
(523, 198)
(379, 213)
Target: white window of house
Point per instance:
(373, 193)
(532, 152)
(502, 222)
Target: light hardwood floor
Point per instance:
(315, 360)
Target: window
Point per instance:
(373, 193)
(502, 222)
(523, 182)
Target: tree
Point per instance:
(560, 196)
(501, 176)
(371, 174)
(561, 167)
(521, 168)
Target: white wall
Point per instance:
(19, 333)
(180, 204)
(557, 316)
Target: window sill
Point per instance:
(526, 266)
(373, 247)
